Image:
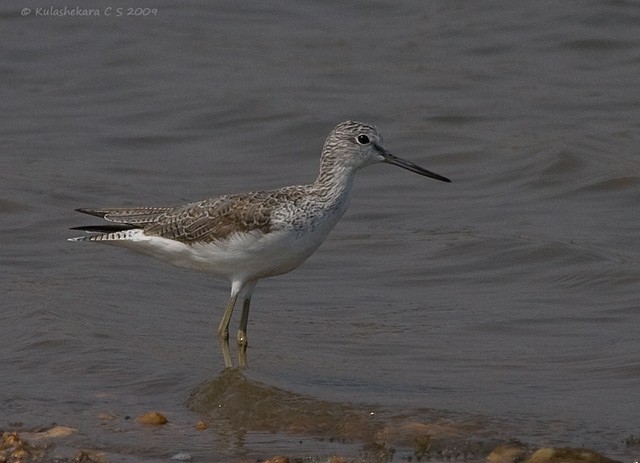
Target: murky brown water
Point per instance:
(505, 303)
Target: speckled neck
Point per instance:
(334, 179)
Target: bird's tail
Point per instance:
(111, 232)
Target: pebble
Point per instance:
(153, 418)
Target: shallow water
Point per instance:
(506, 301)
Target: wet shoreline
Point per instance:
(236, 409)
(52, 444)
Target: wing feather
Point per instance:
(207, 220)
(212, 219)
(132, 215)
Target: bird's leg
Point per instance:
(223, 329)
(242, 333)
(244, 319)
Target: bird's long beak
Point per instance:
(396, 161)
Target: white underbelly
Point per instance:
(248, 256)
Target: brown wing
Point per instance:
(212, 219)
(131, 216)
(208, 220)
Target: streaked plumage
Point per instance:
(245, 237)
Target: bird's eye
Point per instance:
(362, 139)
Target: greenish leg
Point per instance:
(223, 330)
(242, 334)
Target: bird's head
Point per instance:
(352, 145)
